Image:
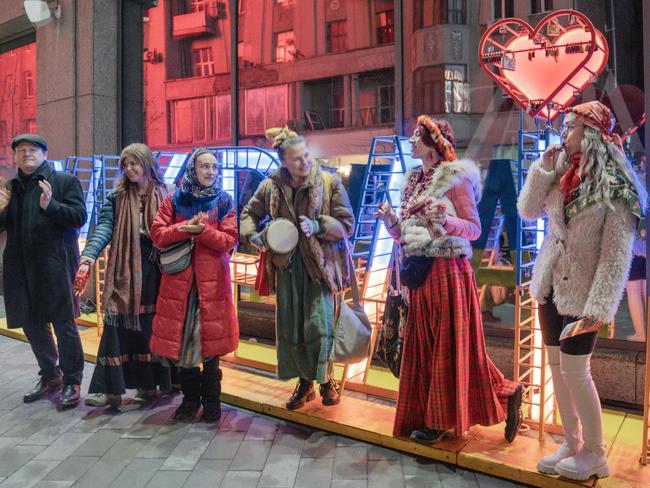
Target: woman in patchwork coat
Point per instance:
(594, 204)
(308, 279)
(447, 380)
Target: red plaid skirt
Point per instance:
(447, 380)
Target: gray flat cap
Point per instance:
(32, 138)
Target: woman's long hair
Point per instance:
(596, 153)
(143, 155)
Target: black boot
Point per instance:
(427, 436)
(303, 393)
(190, 379)
(330, 393)
(211, 390)
(513, 422)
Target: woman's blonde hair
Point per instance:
(596, 154)
(283, 138)
(143, 155)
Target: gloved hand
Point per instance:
(309, 227)
(82, 277)
(257, 240)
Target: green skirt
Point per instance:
(304, 318)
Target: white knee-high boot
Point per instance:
(570, 421)
(591, 460)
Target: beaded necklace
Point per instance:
(417, 183)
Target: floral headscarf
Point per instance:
(192, 197)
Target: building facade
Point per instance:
(343, 71)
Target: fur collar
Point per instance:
(314, 184)
(448, 175)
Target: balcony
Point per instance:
(194, 24)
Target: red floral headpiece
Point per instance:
(596, 114)
(443, 145)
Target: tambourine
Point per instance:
(281, 235)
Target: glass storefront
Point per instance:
(17, 100)
(330, 69)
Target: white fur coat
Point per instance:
(420, 240)
(586, 262)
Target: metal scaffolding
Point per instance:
(530, 364)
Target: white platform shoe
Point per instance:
(591, 460)
(570, 420)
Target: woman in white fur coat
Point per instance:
(594, 204)
(447, 380)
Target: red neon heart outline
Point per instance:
(525, 30)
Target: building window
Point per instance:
(264, 107)
(202, 62)
(457, 92)
(503, 9)
(442, 89)
(197, 5)
(200, 120)
(385, 27)
(435, 12)
(456, 12)
(283, 48)
(29, 84)
(337, 112)
(377, 97)
(324, 103)
(337, 37)
(538, 6)
(18, 73)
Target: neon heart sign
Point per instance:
(546, 68)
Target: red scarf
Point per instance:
(261, 280)
(570, 182)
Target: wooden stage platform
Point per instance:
(365, 418)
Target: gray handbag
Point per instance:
(352, 332)
(177, 257)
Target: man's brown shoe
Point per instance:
(70, 397)
(43, 388)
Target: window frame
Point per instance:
(202, 67)
(504, 6)
(342, 39)
(28, 84)
(286, 57)
(543, 6)
(194, 6)
(386, 30)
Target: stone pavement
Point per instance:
(142, 447)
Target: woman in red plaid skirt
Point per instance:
(447, 381)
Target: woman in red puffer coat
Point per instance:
(195, 320)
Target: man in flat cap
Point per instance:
(42, 211)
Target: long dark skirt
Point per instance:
(124, 359)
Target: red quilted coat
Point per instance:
(210, 262)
